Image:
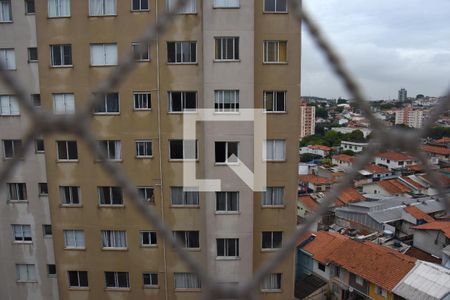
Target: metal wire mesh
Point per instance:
(44, 123)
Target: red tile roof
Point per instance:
(377, 264)
(394, 186)
(314, 179)
(436, 150)
(443, 140)
(415, 184)
(319, 147)
(343, 157)
(349, 195)
(391, 155)
(417, 168)
(418, 214)
(308, 202)
(376, 169)
(443, 226)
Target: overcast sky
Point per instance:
(387, 44)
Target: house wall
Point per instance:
(430, 241)
(375, 296)
(374, 188)
(364, 288)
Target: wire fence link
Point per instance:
(44, 123)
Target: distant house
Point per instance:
(394, 160)
(305, 205)
(432, 237)
(371, 173)
(444, 141)
(355, 270)
(424, 281)
(390, 187)
(316, 150)
(353, 146)
(343, 162)
(436, 154)
(314, 183)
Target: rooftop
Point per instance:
(418, 214)
(308, 202)
(391, 155)
(349, 195)
(343, 157)
(315, 179)
(436, 150)
(319, 147)
(376, 169)
(443, 140)
(394, 186)
(443, 226)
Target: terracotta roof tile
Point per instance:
(443, 226)
(394, 186)
(395, 156)
(418, 214)
(443, 140)
(349, 195)
(309, 202)
(324, 244)
(315, 179)
(436, 150)
(417, 168)
(319, 147)
(412, 182)
(343, 157)
(376, 169)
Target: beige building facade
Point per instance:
(307, 120)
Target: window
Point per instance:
(22, 233)
(74, 239)
(25, 273)
(380, 291)
(141, 52)
(78, 279)
(114, 239)
(183, 149)
(5, 11)
(226, 100)
(274, 150)
(112, 149)
(227, 201)
(32, 54)
(228, 247)
(321, 266)
(69, 195)
(182, 101)
(275, 6)
(17, 191)
(117, 280)
(275, 51)
(144, 148)
(275, 101)
(186, 281)
(8, 58)
(142, 100)
(150, 280)
(271, 282)
(110, 195)
(226, 3)
(189, 8)
(102, 7)
(103, 54)
(273, 196)
(30, 7)
(359, 280)
(139, 5)
(109, 105)
(227, 48)
(147, 193)
(43, 189)
(181, 52)
(11, 148)
(9, 106)
(225, 151)
(36, 100)
(67, 150)
(184, 196)
(51, 270)
(63, 104)
(148, 238)
(58, 8)
(61, 55)
(187, 239)
(271, 239)
(47, 230)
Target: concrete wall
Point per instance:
(430, 241)
(19, 35)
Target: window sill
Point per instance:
(150, 287)
(187, 290)
(99, 161)
(59, 17)
(274, 161)
(23, 281)
(226, 60)
(268, 250)
(111, 206)
(106, 114)
(184, 206)
(226, 7)
(74, 288)
(182, 63)
(227, 112)
(144, 157)
(142, 109)
(182, 112)
(13, 116)
(274, 206)
(33, 61)
(102, 16)
(71, 205)
(103, 66)
(228, 258)
(227, 213)
(271, 291)
(6, 22)
(219, 164)
(275, 63)
(115, 249)
(114, 289)
(139, 10)
(18, 201)
(43, 195)
(67, 161)
(61, 67)
(75, 249)
(149, 246)
(22, 243)
(183, 160)
(275, 12)
(143, 60)
(11, 158)
(186, 14)
(275, 112)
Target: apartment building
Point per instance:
(409, 117)
(219, 55)
(26, 245)
(307, 120)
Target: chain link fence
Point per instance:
(45, 123)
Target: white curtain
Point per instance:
(63, 103)
(118, 152)
(226, 3)
(110, 7)
(8, 58)
(96, 7)
(25, 272)
(64, 8)
(114, 239)
(271, 281)
(190, 7)
(58, 8)
(110, 51)
(5, 11)
(14, 106)
(97, 55)
(186, 281)
(279, 150)
(177, 195)
(278, 195)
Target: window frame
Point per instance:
(227, 203)
(216, 6)
(27, 12)
(274, 102)
(219, 102)
(184, 152)
(62, 49)
(68, 99)
(50, 273)
(20, 189)
(227, 156)
(58, 11)
(112, 241)
(25, 234)
(152, 236)
(45, 232)
(273, 143)
(222, 42)
(105, 105)
(148, 200)
(272, 198)
(276, 11)
(185, 191)
(185, 243)
(13, 106)
(10, 13)
(15, 146)
(111, 195)
(104, 64)
(181, 62)
(137, 147)
(140, 6)
(29, 52)
(266, 55)
(78, 277)
(43, 189)
(135, 47)
(151, 276)
(226, 248)
(279, 279)
(108, 146)
(63, 189)
(67, 143)
(183, 102)
(103, 14)
(188, 277)
(9, 66)
(31, 275)
(148, 99)
(116, 281)
(73, 235)
(178, 12)
(272, 246)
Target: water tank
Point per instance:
(388, 233)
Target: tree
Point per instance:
(355, 136)
(321, 112)
(348, 152)
(307, 157)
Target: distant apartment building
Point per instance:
(27, 263)
(220, 55)
(307, 120)
(409, 117)
(402, 95)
